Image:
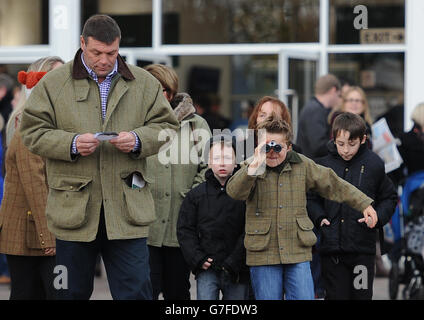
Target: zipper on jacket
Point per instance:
(360, 175)
(344, 173)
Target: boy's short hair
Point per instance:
(351, 123)
(224, 140)
(277, 125)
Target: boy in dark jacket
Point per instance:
(210, 229)
(348, 248)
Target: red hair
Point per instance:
(284, 111)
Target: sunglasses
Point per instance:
(273, 145)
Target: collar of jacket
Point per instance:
(184, 109)
(291, 158)
(79, 72)
(210, 179)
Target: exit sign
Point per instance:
(382, 35)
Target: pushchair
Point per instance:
(407, 254)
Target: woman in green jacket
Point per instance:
(177, 168)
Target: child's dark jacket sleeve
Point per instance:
(187, 233)
(316, 208)
(386, 200)
(237, 259)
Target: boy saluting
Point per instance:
(279, 235)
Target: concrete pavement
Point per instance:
(101, 289)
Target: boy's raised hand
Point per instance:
(258, 164)
(370, 217)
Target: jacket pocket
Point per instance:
(31, 237)
(67, 201)
(305, 232)
(257, 234)
(140, 207)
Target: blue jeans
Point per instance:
(292, 280)
(4, 270)
(126, 263)
(209, 282)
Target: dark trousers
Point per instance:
(348, 276)
(31, 277)
(169, 273)
(316, 268)
(126, 263)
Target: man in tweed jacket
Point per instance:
(92, 206)
(279, 234)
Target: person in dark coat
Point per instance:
(210, 229)
(348, 248)
(313, 129)
(412, 142)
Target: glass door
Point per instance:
(298, 71)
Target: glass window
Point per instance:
(24, 22)
(134, 17)
(253, 76)
(367, 21)
(381, 75)
(227, 84)
(240, 21)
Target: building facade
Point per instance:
(241, 50)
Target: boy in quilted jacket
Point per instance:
(279, 234)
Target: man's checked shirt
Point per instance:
(104, 88)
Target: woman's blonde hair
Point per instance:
(166, 76)
(418, 115)
(43, 64)
(366, 114)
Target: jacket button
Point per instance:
(281, 184)
(167, 194)
(280, 227)
(41, 234)
(42, 242)
(71, 187)
(257, 214)
(281, 206)
(342, 220)
(163, 221)
(167, 166)
(256, 231)
(29, 213)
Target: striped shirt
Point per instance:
(104, 88)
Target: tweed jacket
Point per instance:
(278, 229)
(23, 225)
(66, 102)
(173, 180)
